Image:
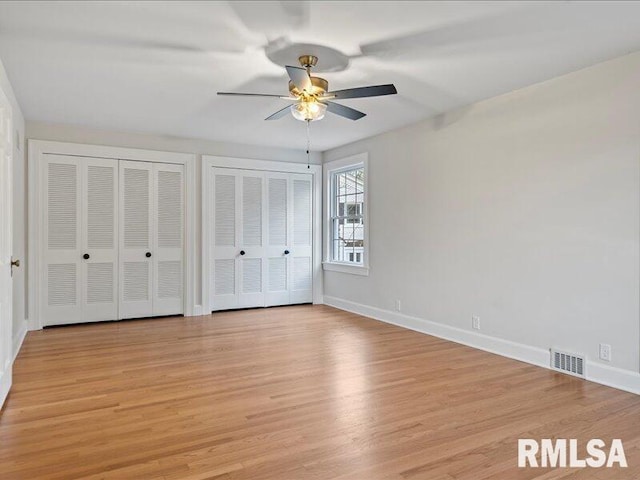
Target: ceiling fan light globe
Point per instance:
(308, 111)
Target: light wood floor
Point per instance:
(289, 393)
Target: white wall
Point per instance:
(19, 208)
(78, 134)
(75, 134)
(524, 210)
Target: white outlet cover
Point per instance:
(605, 352)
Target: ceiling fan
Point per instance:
(312, 96)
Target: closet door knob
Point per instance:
(242, 252)
(148, 254)
(286, 252)
(86, 256)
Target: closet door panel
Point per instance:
(100, 239)
(168, 239)
(251, 271)
(136, 239)
(62, 259)
(301, 256)
(279, 221)
(224, 234)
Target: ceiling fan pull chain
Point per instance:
(308, 144)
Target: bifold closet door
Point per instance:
(114, 239)
(224, 227)
(61, 266)
(151, 239)
(136, 239)
(261, 250)
(278, 251)
(99, 239)
(251, 269)
(289, 239)
(168, 238)
(301, 251)
(237, 222)
(80, 252)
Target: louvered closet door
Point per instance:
(62, 259)
(99, 239)
(168, 238)
(224, 229)
(238, 272)
(261, 238)
(136, 242)
(278, 238)
(252, 266)
(301, 256)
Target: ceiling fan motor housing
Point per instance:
(320, 86)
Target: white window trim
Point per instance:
(361, 159)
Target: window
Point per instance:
(346, 240)
(346, 218)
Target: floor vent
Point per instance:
(567, 363)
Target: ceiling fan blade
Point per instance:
(300, 77)
(280, 113)
(360, 92)
(256, 95)
(344, 111)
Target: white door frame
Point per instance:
(208, 162)
(37, 151)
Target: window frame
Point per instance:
(331, 168)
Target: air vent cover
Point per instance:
(568, 363)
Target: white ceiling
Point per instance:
(156, 66)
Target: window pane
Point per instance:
(342, 184)
(347, 224)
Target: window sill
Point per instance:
(346, 268)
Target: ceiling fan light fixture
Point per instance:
(308, 111)
(310, 94)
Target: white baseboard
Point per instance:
(5, 385)
(18, 339)
(612, 377)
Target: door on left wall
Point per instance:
(6, 218)
(112, 239)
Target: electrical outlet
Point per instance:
(605, 352)
(397, 305)
(475, 322)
